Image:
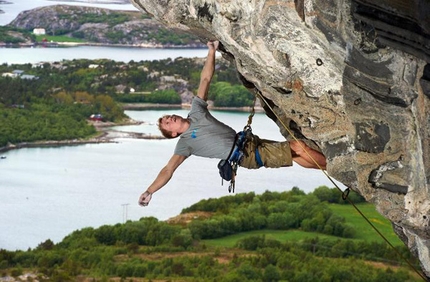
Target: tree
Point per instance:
(323, 193)
(47, 245)
(248, 272)
(183, 239)
(226, 95)
(271, 274)
(105, 235)
(280, 221)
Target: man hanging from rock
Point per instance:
(201, 134)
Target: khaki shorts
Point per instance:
(273, 154)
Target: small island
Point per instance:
(80, 25)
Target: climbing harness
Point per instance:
(344, 193)
(228, 168)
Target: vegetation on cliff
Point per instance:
(13, 35)
(288, 236)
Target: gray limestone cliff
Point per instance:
(349, 76)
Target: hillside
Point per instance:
(97, 25)
(288, 236)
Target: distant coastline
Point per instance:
(147, 106)
(108, 135)
(2, 2)
(105, 135)
(78, 44)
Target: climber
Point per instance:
(203, 135)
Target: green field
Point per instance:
(363, 229)
(61, 38)
(280, 235)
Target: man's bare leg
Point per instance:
(306, 156)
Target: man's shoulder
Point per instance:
(199, 100)
(198, 103)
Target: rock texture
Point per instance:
(350, 76)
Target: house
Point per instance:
(18, 72)
(29, 76)
(8, 74)
(39, 31)
(38, 65)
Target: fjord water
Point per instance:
(46, 193)
(120, 54)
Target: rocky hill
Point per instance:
(351, 76)
(103, 26)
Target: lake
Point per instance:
(39, 54)
(46, 193)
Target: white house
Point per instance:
(39, 31)
(29, 76)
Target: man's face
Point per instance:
(172, 123)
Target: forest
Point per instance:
(53, 101)
(322, 245)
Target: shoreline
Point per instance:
(148, 106)
(107, 135)
(104, 135)
(93, 44)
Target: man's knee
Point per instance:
(297, 147)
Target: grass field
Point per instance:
(280, 235)
(49, 38)
(363, 229)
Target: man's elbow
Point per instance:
(205, 80)
(167, 171)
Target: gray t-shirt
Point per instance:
(206, 137)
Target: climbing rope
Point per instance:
(344, 193)
(251, 115)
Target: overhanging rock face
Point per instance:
(351, 77)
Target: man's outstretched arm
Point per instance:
(208, 71)
(162, 179)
